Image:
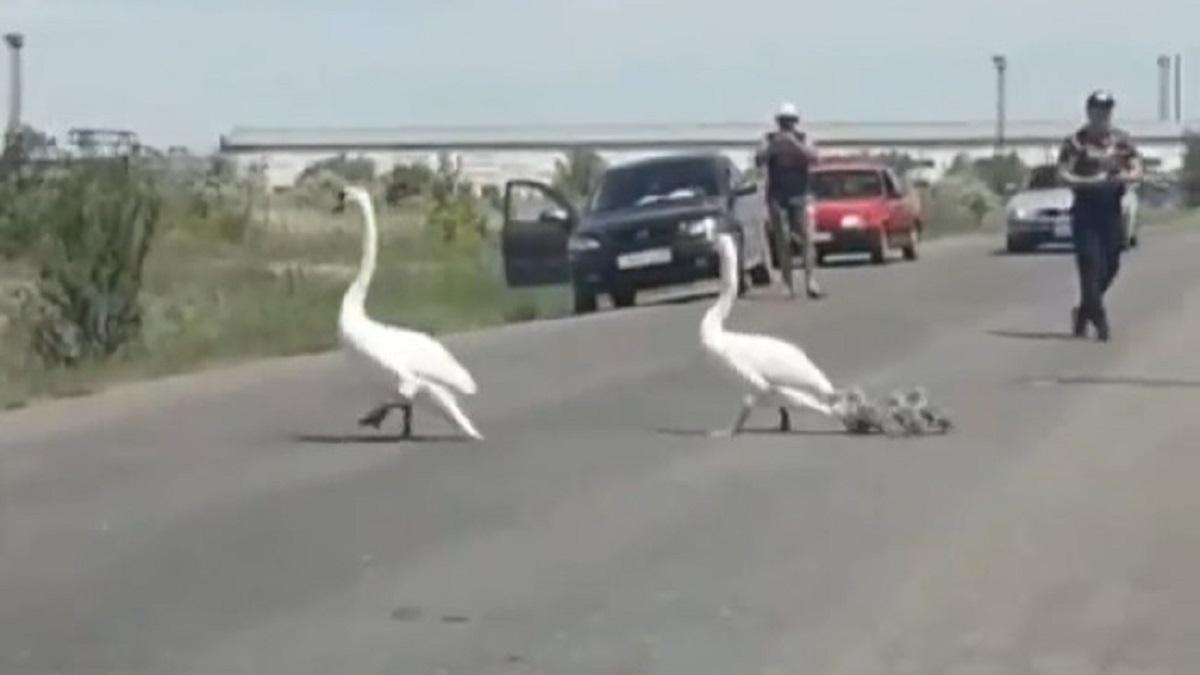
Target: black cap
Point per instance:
(1101, 99)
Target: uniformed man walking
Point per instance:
(787, 156)
(1098, 162)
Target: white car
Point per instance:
(1041, 213)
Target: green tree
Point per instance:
(1189, 179)
(1001, 171)
(578, 173)
(350, 169)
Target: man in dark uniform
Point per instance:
(1098, 163)
(787, 156)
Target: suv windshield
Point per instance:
(655, 182)
(850, 184)
(1044, 178)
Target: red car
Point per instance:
(862, 207)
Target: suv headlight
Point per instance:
(582, 243)
(705, 227)
(1019, 214)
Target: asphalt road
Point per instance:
(238, 522)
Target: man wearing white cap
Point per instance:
(787, 156)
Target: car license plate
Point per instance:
(654, 256)
(1062, 230)
(822, 237)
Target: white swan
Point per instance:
(419, 367)
(774, 372)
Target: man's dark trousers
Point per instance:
(1098, 234)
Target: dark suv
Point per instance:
(648, 224)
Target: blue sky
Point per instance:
(184, 71)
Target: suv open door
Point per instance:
(538, 221)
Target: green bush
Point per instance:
(455, 214)
(958, 203)
(406, 181)
(21, 198)
(96, 229)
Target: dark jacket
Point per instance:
(787, 157)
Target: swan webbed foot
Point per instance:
(375, 417)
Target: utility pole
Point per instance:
(1001, 64)
(1179, 88)
(1164, 88)
(15, 42)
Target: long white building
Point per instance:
(494, 154)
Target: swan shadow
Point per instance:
(750, 431)
(1033, 335)
(1136, 382)
(374, 439)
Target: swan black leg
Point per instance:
(408, 410)
(785, 421)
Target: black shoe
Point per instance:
(1100, 321)
(1078, 323)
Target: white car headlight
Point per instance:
(580, 243)
(705, 227)
(852, 220)
(1019, 214)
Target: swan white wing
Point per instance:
(406, 351)
(780, 363)
(430, 359)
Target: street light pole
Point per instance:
(1164, 88)
(1179, 88)
(15, 42)
(1001, 64)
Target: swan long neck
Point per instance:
(713, 325)
(355, 300)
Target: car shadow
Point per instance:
(374, 439)
(1033, 335)
(682, 299)
(850, 261)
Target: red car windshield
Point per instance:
(847, 184)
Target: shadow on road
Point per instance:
(369, 439)
(1044, 251)
(849, 261)
(1138, 382)
(756, 431)
(1033, 335)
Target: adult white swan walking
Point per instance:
(419, 367)
(774, 372)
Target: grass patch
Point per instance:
(209, 301)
